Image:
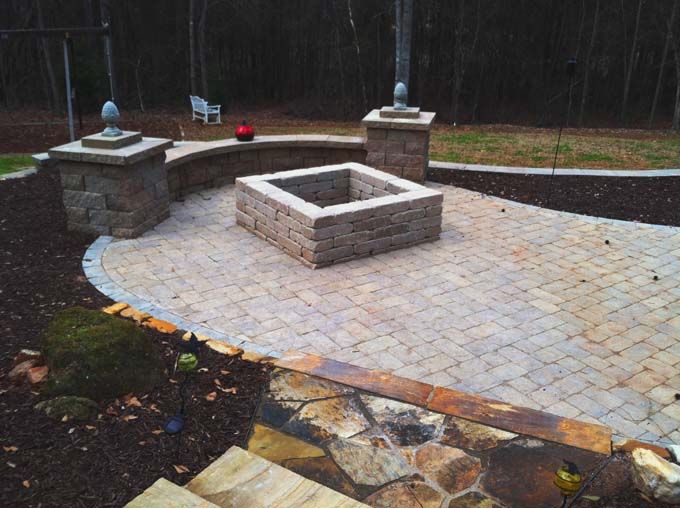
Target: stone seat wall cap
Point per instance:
(423, 122)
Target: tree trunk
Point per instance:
(676, 53)
(203, 51)
(192, 50)
(358, 50)
(54, 101)
(631, 63)
(586, 75)
(664, 56)
(404, 29)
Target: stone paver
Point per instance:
(521, 304)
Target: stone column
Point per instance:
(398, 141)
(114, 185)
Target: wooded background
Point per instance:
(483, 61)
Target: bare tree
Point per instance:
(192, 49)
(358, 50)
(631, 63)
(676, 53)
(461, 56)
(54, 91)
(586, 72)
(404, 29)
(664, 56)
(202, 49)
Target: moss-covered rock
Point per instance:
(75, 408)
(98, 356)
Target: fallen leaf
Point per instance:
(64, 418)
(225, 372)
(111, 411)
(591, 498)
(127, 418)
(231, 390)
(181, 469)
(26, 484)
(217, 382)
(154, 408)
(131, 400)
(10, 449)
(203, 369)
(211, 396)
(157, 431)
(141, 443)
(90, 427)
(173, 381)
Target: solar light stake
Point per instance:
(571, 72)
(187, 362)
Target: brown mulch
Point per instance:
(109, 461)
(647, 199)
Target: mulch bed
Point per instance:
(646, 199)
(109, 461)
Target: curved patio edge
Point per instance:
(97, 276)
(481, 168)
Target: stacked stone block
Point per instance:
(223, 169)
(404, 214)
(121, 192)
(399, 146)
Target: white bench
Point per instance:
(201, 110)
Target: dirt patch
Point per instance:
(650, 200)
(109, 461)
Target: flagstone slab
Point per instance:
(322, 420)
(291, 385)
(239, 479)
(368, 465)
(322, 470)
(405, 424)
(374, 381)
(408, 494)
(474, 500)
(278, 447)
(473, 436)
(522, 420)
(453, 469)
(277, 412)
(165, 494)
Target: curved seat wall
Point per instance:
(198, 165)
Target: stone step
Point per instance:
(165, 494)
(240, 479)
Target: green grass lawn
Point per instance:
(536, 148)
(11, 163)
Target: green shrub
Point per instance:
(98, 356)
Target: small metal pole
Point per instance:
(67, 75)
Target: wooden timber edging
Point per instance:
(521, 420)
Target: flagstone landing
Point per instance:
(576, 316)
(388, 453)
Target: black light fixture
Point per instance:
(187, 362)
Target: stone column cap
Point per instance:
(424, 121)
(147, 147)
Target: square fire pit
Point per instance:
(336, 213)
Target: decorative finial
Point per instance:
(111, 115)
(400, 95)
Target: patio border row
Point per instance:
(513, 170)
